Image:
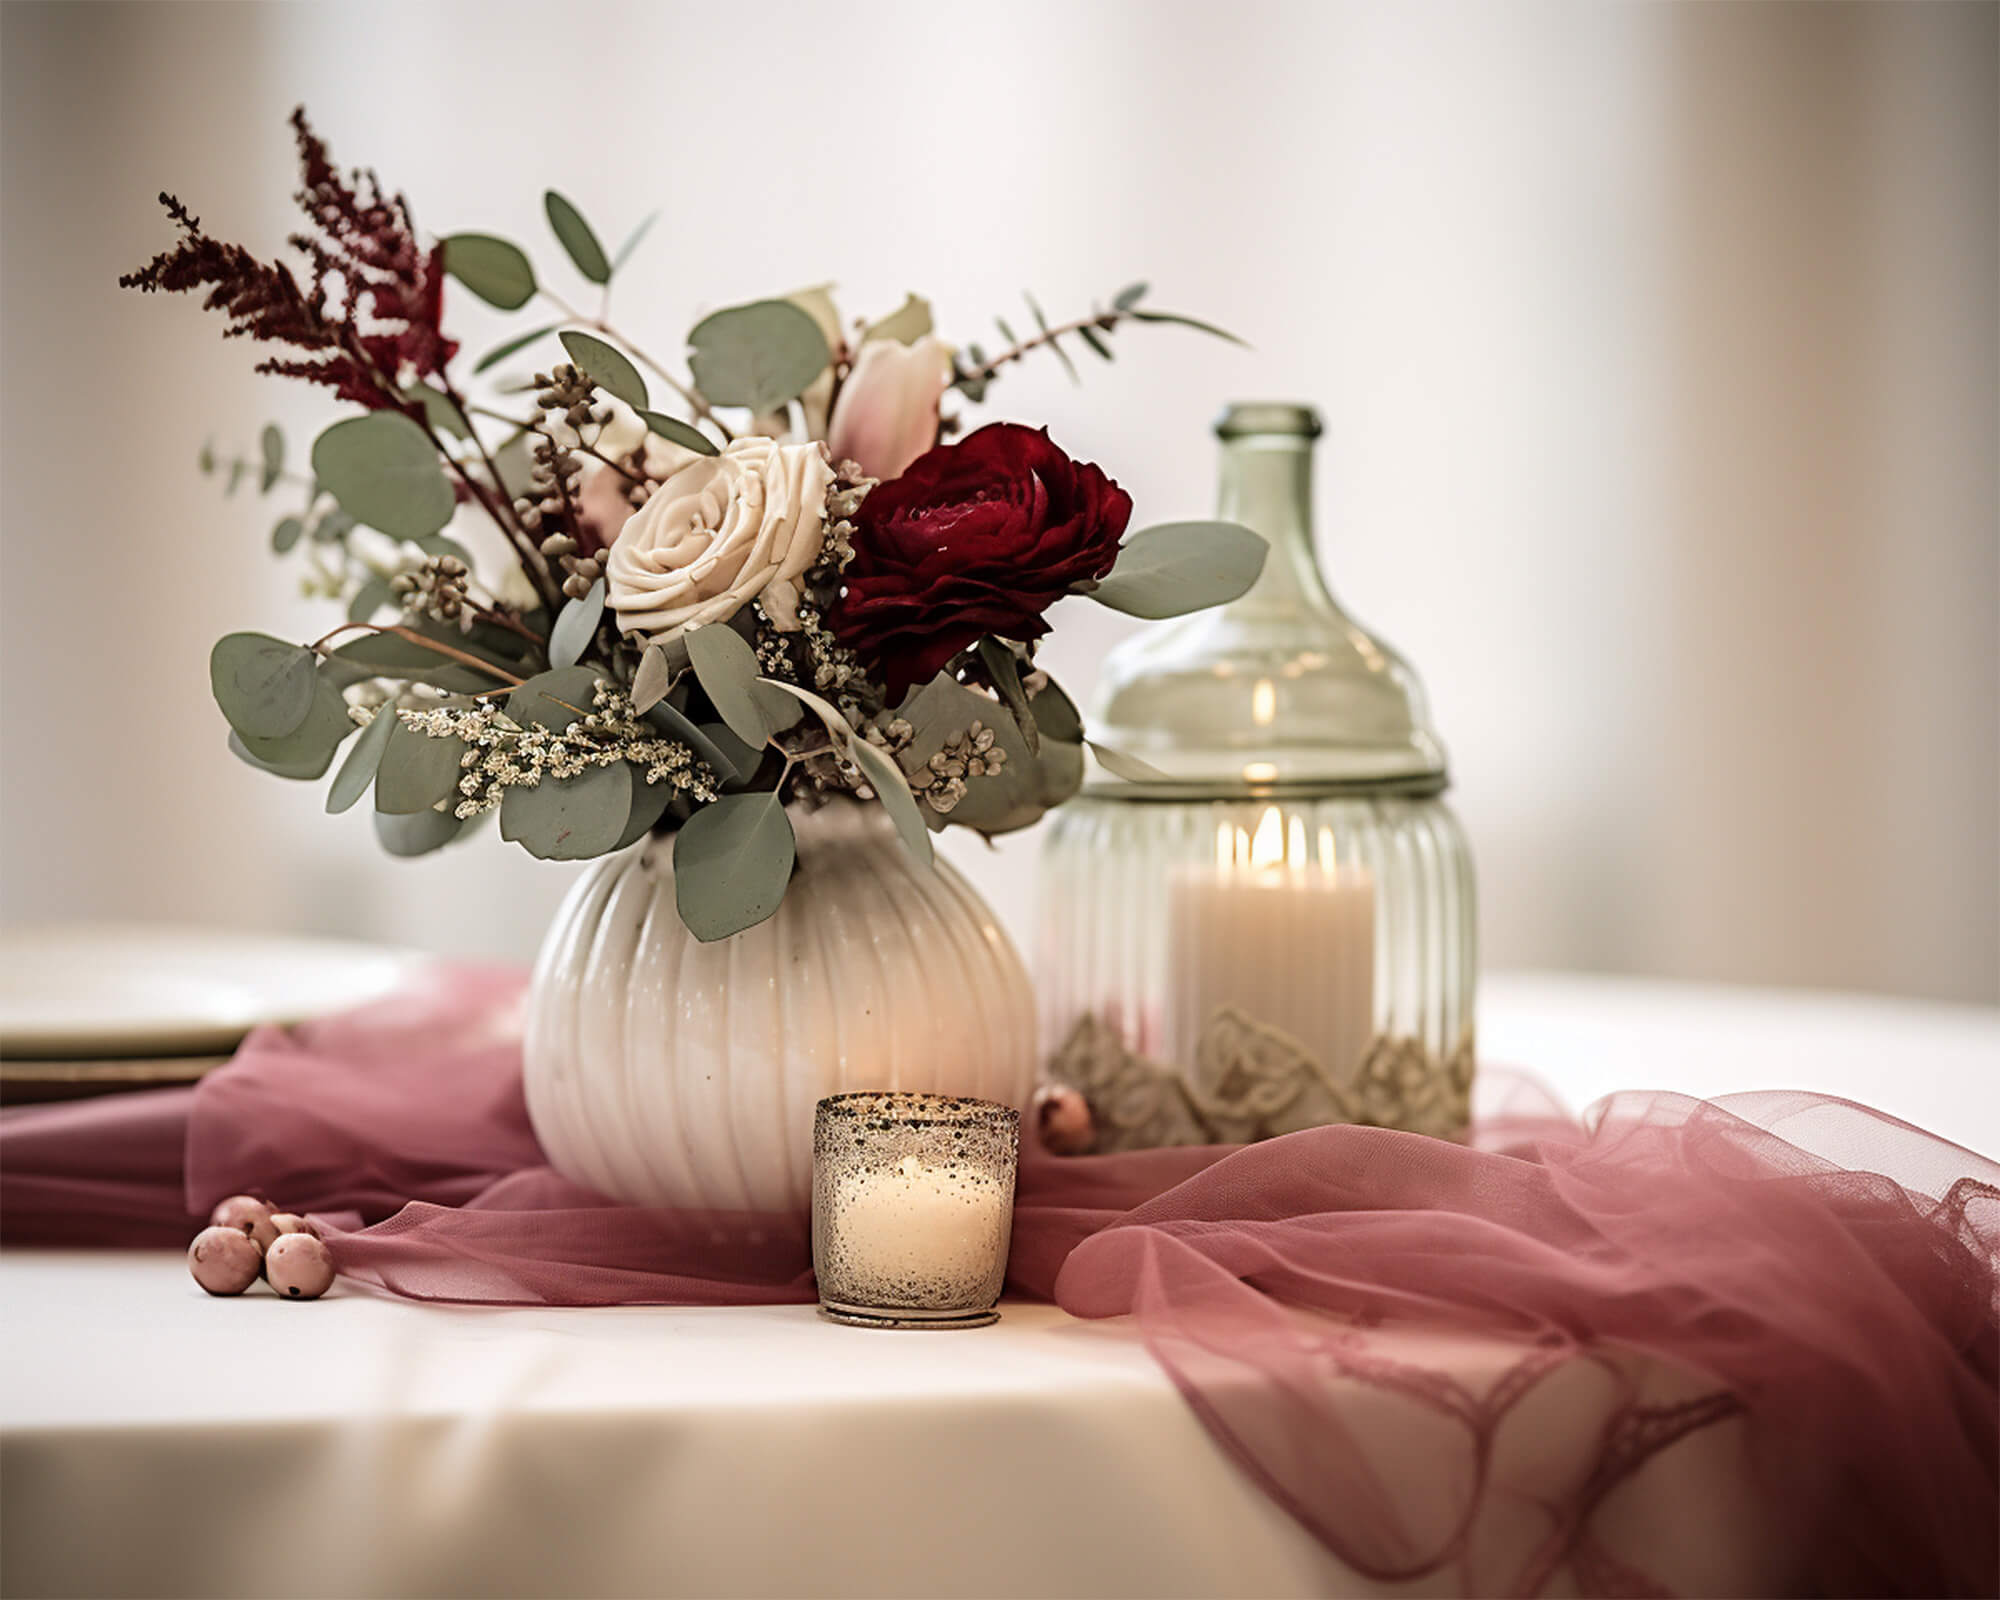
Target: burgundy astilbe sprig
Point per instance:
(368, 320)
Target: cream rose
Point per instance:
(720, 532)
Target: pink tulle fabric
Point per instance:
(1378, 1327)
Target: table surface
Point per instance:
(365, 1445)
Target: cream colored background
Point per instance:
(1657, 348)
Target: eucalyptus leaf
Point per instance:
(607, 367)
(836, 724)
(729, 674)
(1056, 714)
(333, 526)
(493, 269)
(418, 833)
(263, 685)
(652, 680)
(415, 771)
(351, 782)
(555, 699)
(1188, 322)
(675, 431)
(569, 819)
(1180, 567)
(997, 802)
(1129, 296)
(908, 323)
(520, 341)
(577, 238)
(1121, 765)
(1060, 769)
(1005, 671)
(236, 470)
(438, 545)
(633, 240)
(649, 804)
(744, 758)
(384, 472)
(271, 447)
(732, 861)
(440, 411)
(893, 790)
(1096, 343)
(307, 751)
(576, 626)
(370, 598)
(286, 534)
(206, 460)
(760, 355)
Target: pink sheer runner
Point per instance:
(1809, 1280)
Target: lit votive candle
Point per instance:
(1280, 932)
(913, 1208)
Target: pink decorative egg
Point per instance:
(291, 1222)
(299, 1267)
(224, 1260)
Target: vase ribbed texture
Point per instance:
(663, 1071)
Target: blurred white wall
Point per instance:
(1657, 346)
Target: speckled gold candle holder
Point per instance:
(913, 1208)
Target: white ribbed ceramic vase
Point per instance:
(667, 1072)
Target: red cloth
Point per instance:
(1825, 1273)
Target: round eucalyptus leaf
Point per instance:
(1060, 768)
(384, 472)
(729, 675)
(893, 790)
(370, 598)
(416, 772)
(1056, 714)
(1182, 566)
(287, 533)
(307, 751)
(732, 861)
(577, 238)
(418, 833)
(569, 819)
(576, 626)
(607, 367)
(263, 685)
(675, 431)
(493, 269)
(760, 355)
(554, 699)
(351, 782)
(744, 758)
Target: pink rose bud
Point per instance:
(299, 1266)
(290, 1222)
(224, 1260)
(1066, 1124)
(886, 414)
(247, 1214)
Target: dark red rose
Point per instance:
(975, 538)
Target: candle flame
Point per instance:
(1267, 849)
(1264, 703)
(1326, 857)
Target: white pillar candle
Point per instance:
(919, 1223)
(1280, 931)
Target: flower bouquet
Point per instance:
(609, 600)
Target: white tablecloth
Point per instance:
(154, 1441)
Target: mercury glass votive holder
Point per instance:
(913, 1208)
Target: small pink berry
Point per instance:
(248, 1214)
(224, 1260)
(299, 1266)
(1064, 1118)
(291, 1222)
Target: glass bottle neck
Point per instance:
(1267, 486)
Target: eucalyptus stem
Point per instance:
(1100, 321)
(689, 395)
(537, 428)
(318, 647)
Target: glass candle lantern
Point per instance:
(1275, 929)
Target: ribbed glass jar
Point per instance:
(1278, 929)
